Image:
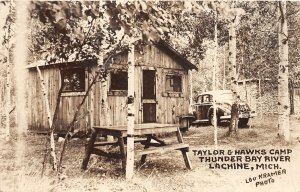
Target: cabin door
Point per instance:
(149, 96)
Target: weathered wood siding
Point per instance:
(37, 105)
(169, 105)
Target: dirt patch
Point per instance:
(161, 172)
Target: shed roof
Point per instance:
(164, 46)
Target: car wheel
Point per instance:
(212, 119)
(243, 122)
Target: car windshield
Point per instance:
(223, 96)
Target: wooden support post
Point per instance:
(89, 149)
(184, 152)
(147, 145)
(123, 152)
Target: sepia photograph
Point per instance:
(149, 95)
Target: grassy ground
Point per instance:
(21, 171)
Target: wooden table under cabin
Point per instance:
(147, 130)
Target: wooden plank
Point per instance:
(115, 142)
(73, 94)
(138, 92)
(158, 58)
(158, 91)
(140, 129)
(68, 109)
(123, 152)
(40, 114)
(138, 126)
(106, 154)
(163, 149)
(104, 143)
(185, 156)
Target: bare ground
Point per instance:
(161, 172)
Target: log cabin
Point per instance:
(162, 89)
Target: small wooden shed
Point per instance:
(162, 90)
(249, 91)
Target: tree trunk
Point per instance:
(130, 112)
(291, 94)
(8, 95)
(214, 78)
(8, 79)
(260, 98)
(233, 127)
(233, 74)
(224, 69)
(283, 92)
(105, 110)
(20, 60)
(46, 101)
(232, 55)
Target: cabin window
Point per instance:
(119, 81)
(173, 83)
(73, 80)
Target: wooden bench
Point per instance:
(146, 130)
(163, 149)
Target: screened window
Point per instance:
(119, 81)
(173, 83)
(73, 80)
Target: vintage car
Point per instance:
(203, 108)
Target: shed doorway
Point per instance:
(149, 96)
